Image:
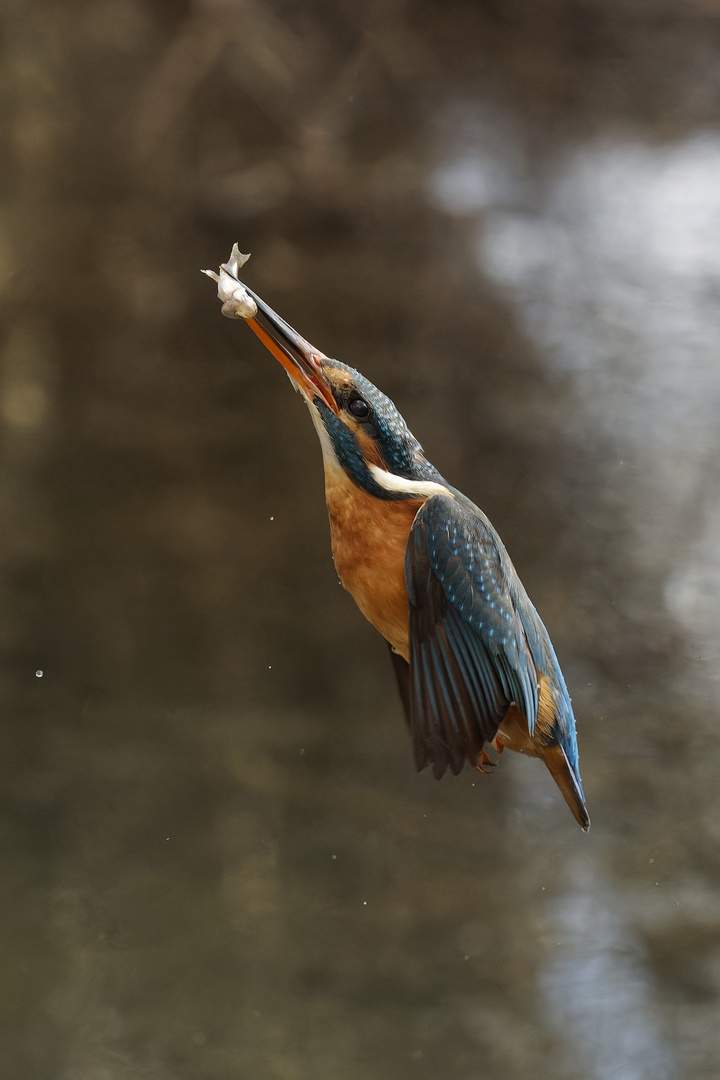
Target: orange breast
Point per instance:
(369, 537)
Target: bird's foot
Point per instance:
(489, 757)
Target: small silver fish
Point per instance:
(237, 302)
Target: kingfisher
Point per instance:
(475, 667)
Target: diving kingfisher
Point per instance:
(475, 666)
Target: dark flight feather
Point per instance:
(476, 643)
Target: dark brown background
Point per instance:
(217, 861)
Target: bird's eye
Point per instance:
(359, 408)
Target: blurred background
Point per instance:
(217, 859)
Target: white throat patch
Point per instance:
(421, 489)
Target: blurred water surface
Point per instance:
(217, 860)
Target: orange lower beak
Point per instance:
(300, 359)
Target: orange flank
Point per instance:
(369, 537)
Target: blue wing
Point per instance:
(477, 644)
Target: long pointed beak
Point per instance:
(301, 360)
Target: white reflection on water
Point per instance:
(596, 988)
(613, 268)
(611, 262)
(471, 183)
(486, 167)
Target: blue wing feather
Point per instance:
(477, 643)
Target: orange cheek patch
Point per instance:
(368, 447)
(336, 376)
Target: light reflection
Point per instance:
(485, 167)
(692, 593)
(470, 183)
(613, 270)
(597, 989)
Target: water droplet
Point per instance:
(39, 673)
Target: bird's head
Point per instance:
(360, 430)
